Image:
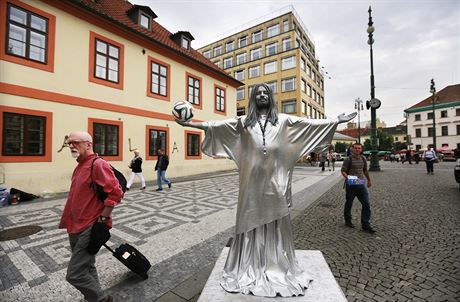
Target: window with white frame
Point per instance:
(302, 63)
(229, 46)
(239, 75)
(318, 97)
(217, 50)
(304, 107)
(270, 67)
(207, 54)
(240, 94)
(273, 86)
(309, 90)
(144, 21)
(286, 25)
(287, 63)
(310, 111)
(314, 94)
(218, 63)
(444, 113)
(220, 99)
(256, 54)
(243, 41)
(228, 62)
(185, 43)
(241, 58)
(303, 85)
(288, 84)
(322, 101)
(256, 36)
(289, 106)
(271, 49)
(254, 71)
(287, 44)
(309, 70)
(273, 30)
(417, 117)
(313, 76)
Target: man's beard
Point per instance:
(75, 154)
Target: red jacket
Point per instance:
(83, 207)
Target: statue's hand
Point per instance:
(345, 118)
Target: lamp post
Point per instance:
(359, 107)
(433, 91)
(374, 165)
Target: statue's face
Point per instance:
(262, 97)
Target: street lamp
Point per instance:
(359, 107)
(433, 91)
(373, 103)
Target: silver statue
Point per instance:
(265, 146)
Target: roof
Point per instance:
(340, 136)
(448, 94)
(117, 12)
(352, 132)
(397, 130)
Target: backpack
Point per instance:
(101, 195)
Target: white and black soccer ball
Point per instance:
(183, 111)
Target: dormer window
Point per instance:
(183, 39)
(144, 21)
(185, 43)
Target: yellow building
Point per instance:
(279, 52)
(108, 68)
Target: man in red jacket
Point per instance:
(83, 210)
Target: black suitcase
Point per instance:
(132, 258)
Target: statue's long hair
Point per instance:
(253, 115)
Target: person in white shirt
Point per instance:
(429, 156)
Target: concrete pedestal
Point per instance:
(324, 287)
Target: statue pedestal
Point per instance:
(324, 288)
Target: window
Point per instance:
(239, 75)
(193, 141)
(287, 44)
(256, 54)
(314, 94)
(322, 102)
(313, 76)
(254, 71)
(270, 67)
(417, 117)
(285, 25)
(240, 58)
(240, 111)
(157, 139)
(271, 49)
(430, 132)
(444, 113)
(418, 147)
(217, 50)
(457, 112)
(29, 36)
(444, 131)
(429, 116)
(194, 89)
(219, 99)
(207, 54)
(310, 111)
(240, 94)
(309, 90)
(273, 30)
(458, 129)
(144, 21)
(303, 85)
(273, 86)
(107, 138)
(257, 36)
(315, 113)
(303, 64)
(218, 63)
(228, 62)
(304, 107)
(289, 106)
(309, 70)
(418, 132)
(159, 77)
(287, 63)
(229, 46)
(23, 134)
(396, 138)
(185, 43)
(318, 97)
(243, 41)
(288, 84)
(106, 61)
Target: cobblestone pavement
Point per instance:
(415, 254)
(180, 231)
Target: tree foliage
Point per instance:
(340, 147)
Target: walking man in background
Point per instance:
(136, 170)
(85, 217)
(160, 167)
(354, 170)
(429, 156)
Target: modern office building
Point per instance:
(106, 67)
(279, 52)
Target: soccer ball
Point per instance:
(183, 111)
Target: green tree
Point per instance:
(399, 146)
(385, 141)
(340, 147)
(367, 145)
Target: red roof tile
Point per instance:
(446, 95)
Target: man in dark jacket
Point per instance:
(160, 167)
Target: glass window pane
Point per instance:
(163, 70)
(17, 33)
(17, 48)
(101, 46)
(37, 54)
(100, 72)
(113, 51)
(18, 15)
(162, 90)
(101, 61)
(37, 40)
(113, 76)
(162, 81)
(155, 68)
(113, 64)
(145, 21)
(38, 23)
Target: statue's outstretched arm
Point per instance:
(199, 125)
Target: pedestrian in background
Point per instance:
(85, 216)
(136, 170)
(161, 167)
(331, 157)
(417, 157)
(322, 160)
(354, 170)
(429, 156)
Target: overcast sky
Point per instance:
(415, 40)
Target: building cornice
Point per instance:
(430, 108)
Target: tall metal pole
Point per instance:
(359, 107)
(374, 165)
(433, 91)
